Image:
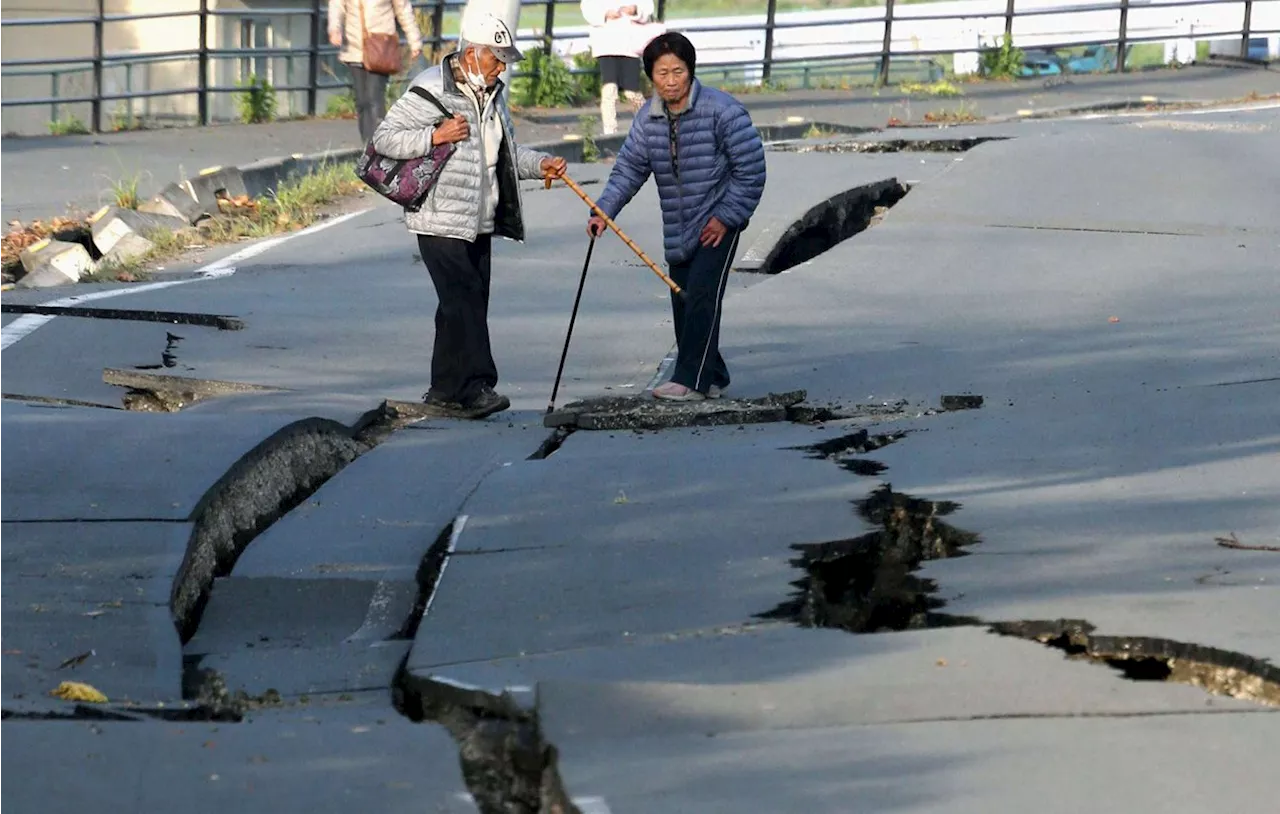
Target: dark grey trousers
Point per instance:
(461, 359)
(371, 99)
(703, 277)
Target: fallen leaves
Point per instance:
(77, 691)
(20, 235)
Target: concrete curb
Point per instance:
(196, 198)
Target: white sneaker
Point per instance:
(714, 392)
(676, 392)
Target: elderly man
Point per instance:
(476, 197)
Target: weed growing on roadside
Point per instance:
(256, 100)
(940, 88)
(1003, 61)
(341, 106)
(125, 192)
(70, 126)
(956, 115)
(815, 131)
(587, 128)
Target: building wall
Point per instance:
(142, 37)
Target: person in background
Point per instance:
(708, 161)
(617, 38)
(346, 30)
(476, 197)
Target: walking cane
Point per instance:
(675, 289)
(572, 318)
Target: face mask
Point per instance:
(474, 78)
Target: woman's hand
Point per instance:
(712, 233)
(596, 226)
(553, 168)
(451, 131)
(335, 38)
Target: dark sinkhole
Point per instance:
(867, 584)
(831, 222)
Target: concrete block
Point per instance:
(213, 183)
(264, 176)
(175, 201)
(310, 162)
(122, 234)
(54, 262)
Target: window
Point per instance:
(255, 33)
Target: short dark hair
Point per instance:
(674, 43)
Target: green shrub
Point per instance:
(342, 106)
(543, 81)
(1003, 61)
(70, 126)
(588, 82)
(257, 100)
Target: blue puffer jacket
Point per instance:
(718, 168)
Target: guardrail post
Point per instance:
(661, 13)
(770, 17)
(1008, 20)
(1248, 23)
(95, 115)
(1122, 43)
(313, 68)
(887, 48)
(202, 83)
(549, 26)
(55, 92)
(437, 31)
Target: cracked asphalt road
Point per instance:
(415, 626)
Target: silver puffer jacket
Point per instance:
(453, 207)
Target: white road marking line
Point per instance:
(458, 526)
(25, 325)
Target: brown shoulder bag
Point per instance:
(381, 51)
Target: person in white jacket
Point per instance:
(348, 20)
(619, 32)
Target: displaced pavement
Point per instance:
(876, 605)
(46, 175)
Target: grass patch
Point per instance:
(953, 115)
(125, 192)
(69, 126)
(942, 88)
(587, 127)
(342, 106)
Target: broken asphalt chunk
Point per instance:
(648, 413)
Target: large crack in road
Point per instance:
(869, 584)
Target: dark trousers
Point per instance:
(371, 99)
(699, 364)
(461, 360)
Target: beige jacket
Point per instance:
(380, 17)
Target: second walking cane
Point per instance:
(569, 334)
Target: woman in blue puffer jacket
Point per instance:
(708, 161)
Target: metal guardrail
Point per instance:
(435, 40)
